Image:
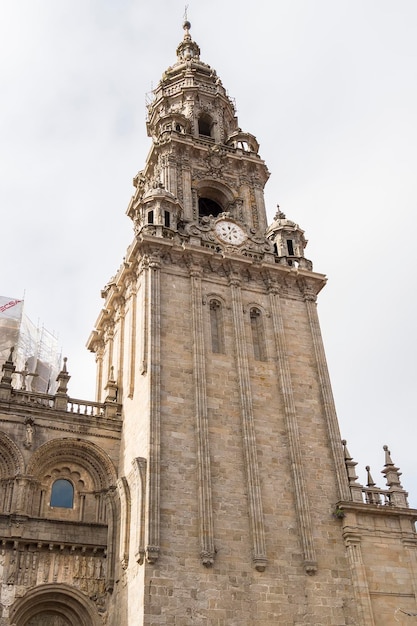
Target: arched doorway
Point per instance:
(47, 618)
(54, 605)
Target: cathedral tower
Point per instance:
(207, 484)
(231, 457)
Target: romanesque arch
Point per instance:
(11, 466)
(88, 468)
(11, 459)
(70, 451)
(54, 605)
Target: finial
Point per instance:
(62, 380)
(346, 451)
(398, 496)
(186, 24)
(279, 215)
(187, 50)
(370, 480)
(388, 460)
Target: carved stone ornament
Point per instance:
(215, 161)
(206, 231)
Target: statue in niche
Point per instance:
(29, 432)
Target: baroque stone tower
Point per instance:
(207, 484)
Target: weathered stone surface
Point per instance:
(209, 482)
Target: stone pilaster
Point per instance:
(154, 375)
(125, 506)
(326, 393)
(120, 321)
(145, 317)
(132, 297)
(111, 538)
(200, 395)
(139, 465)
(297, 462)
(359, 579)
(248, 430)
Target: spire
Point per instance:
(187, 49)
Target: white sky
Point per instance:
(330, 91)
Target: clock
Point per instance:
(229, 232)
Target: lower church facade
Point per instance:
(207, 484)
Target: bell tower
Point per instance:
(231, 462)
(199, 156)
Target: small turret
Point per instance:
(157, 211)
(289, 241)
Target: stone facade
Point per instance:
(209, 482)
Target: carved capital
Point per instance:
(260, 563)
(310, 567)
(152, 553)
(207, 558)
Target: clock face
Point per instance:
(230, 232)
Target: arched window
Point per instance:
(216, 324)
(207, 206)
(258, 336)
(205, 125)
(62, 494)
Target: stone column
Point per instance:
(99, 350)
(186, 191)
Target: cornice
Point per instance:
(197, 241)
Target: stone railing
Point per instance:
(294, 261)
(85, 407)
(395, 495)
(64, 403)
(33, 398)
(374, 495)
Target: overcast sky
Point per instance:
(329, 89)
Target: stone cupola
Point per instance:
(288, 240)
(191, 99)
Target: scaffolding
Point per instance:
(36, 355)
